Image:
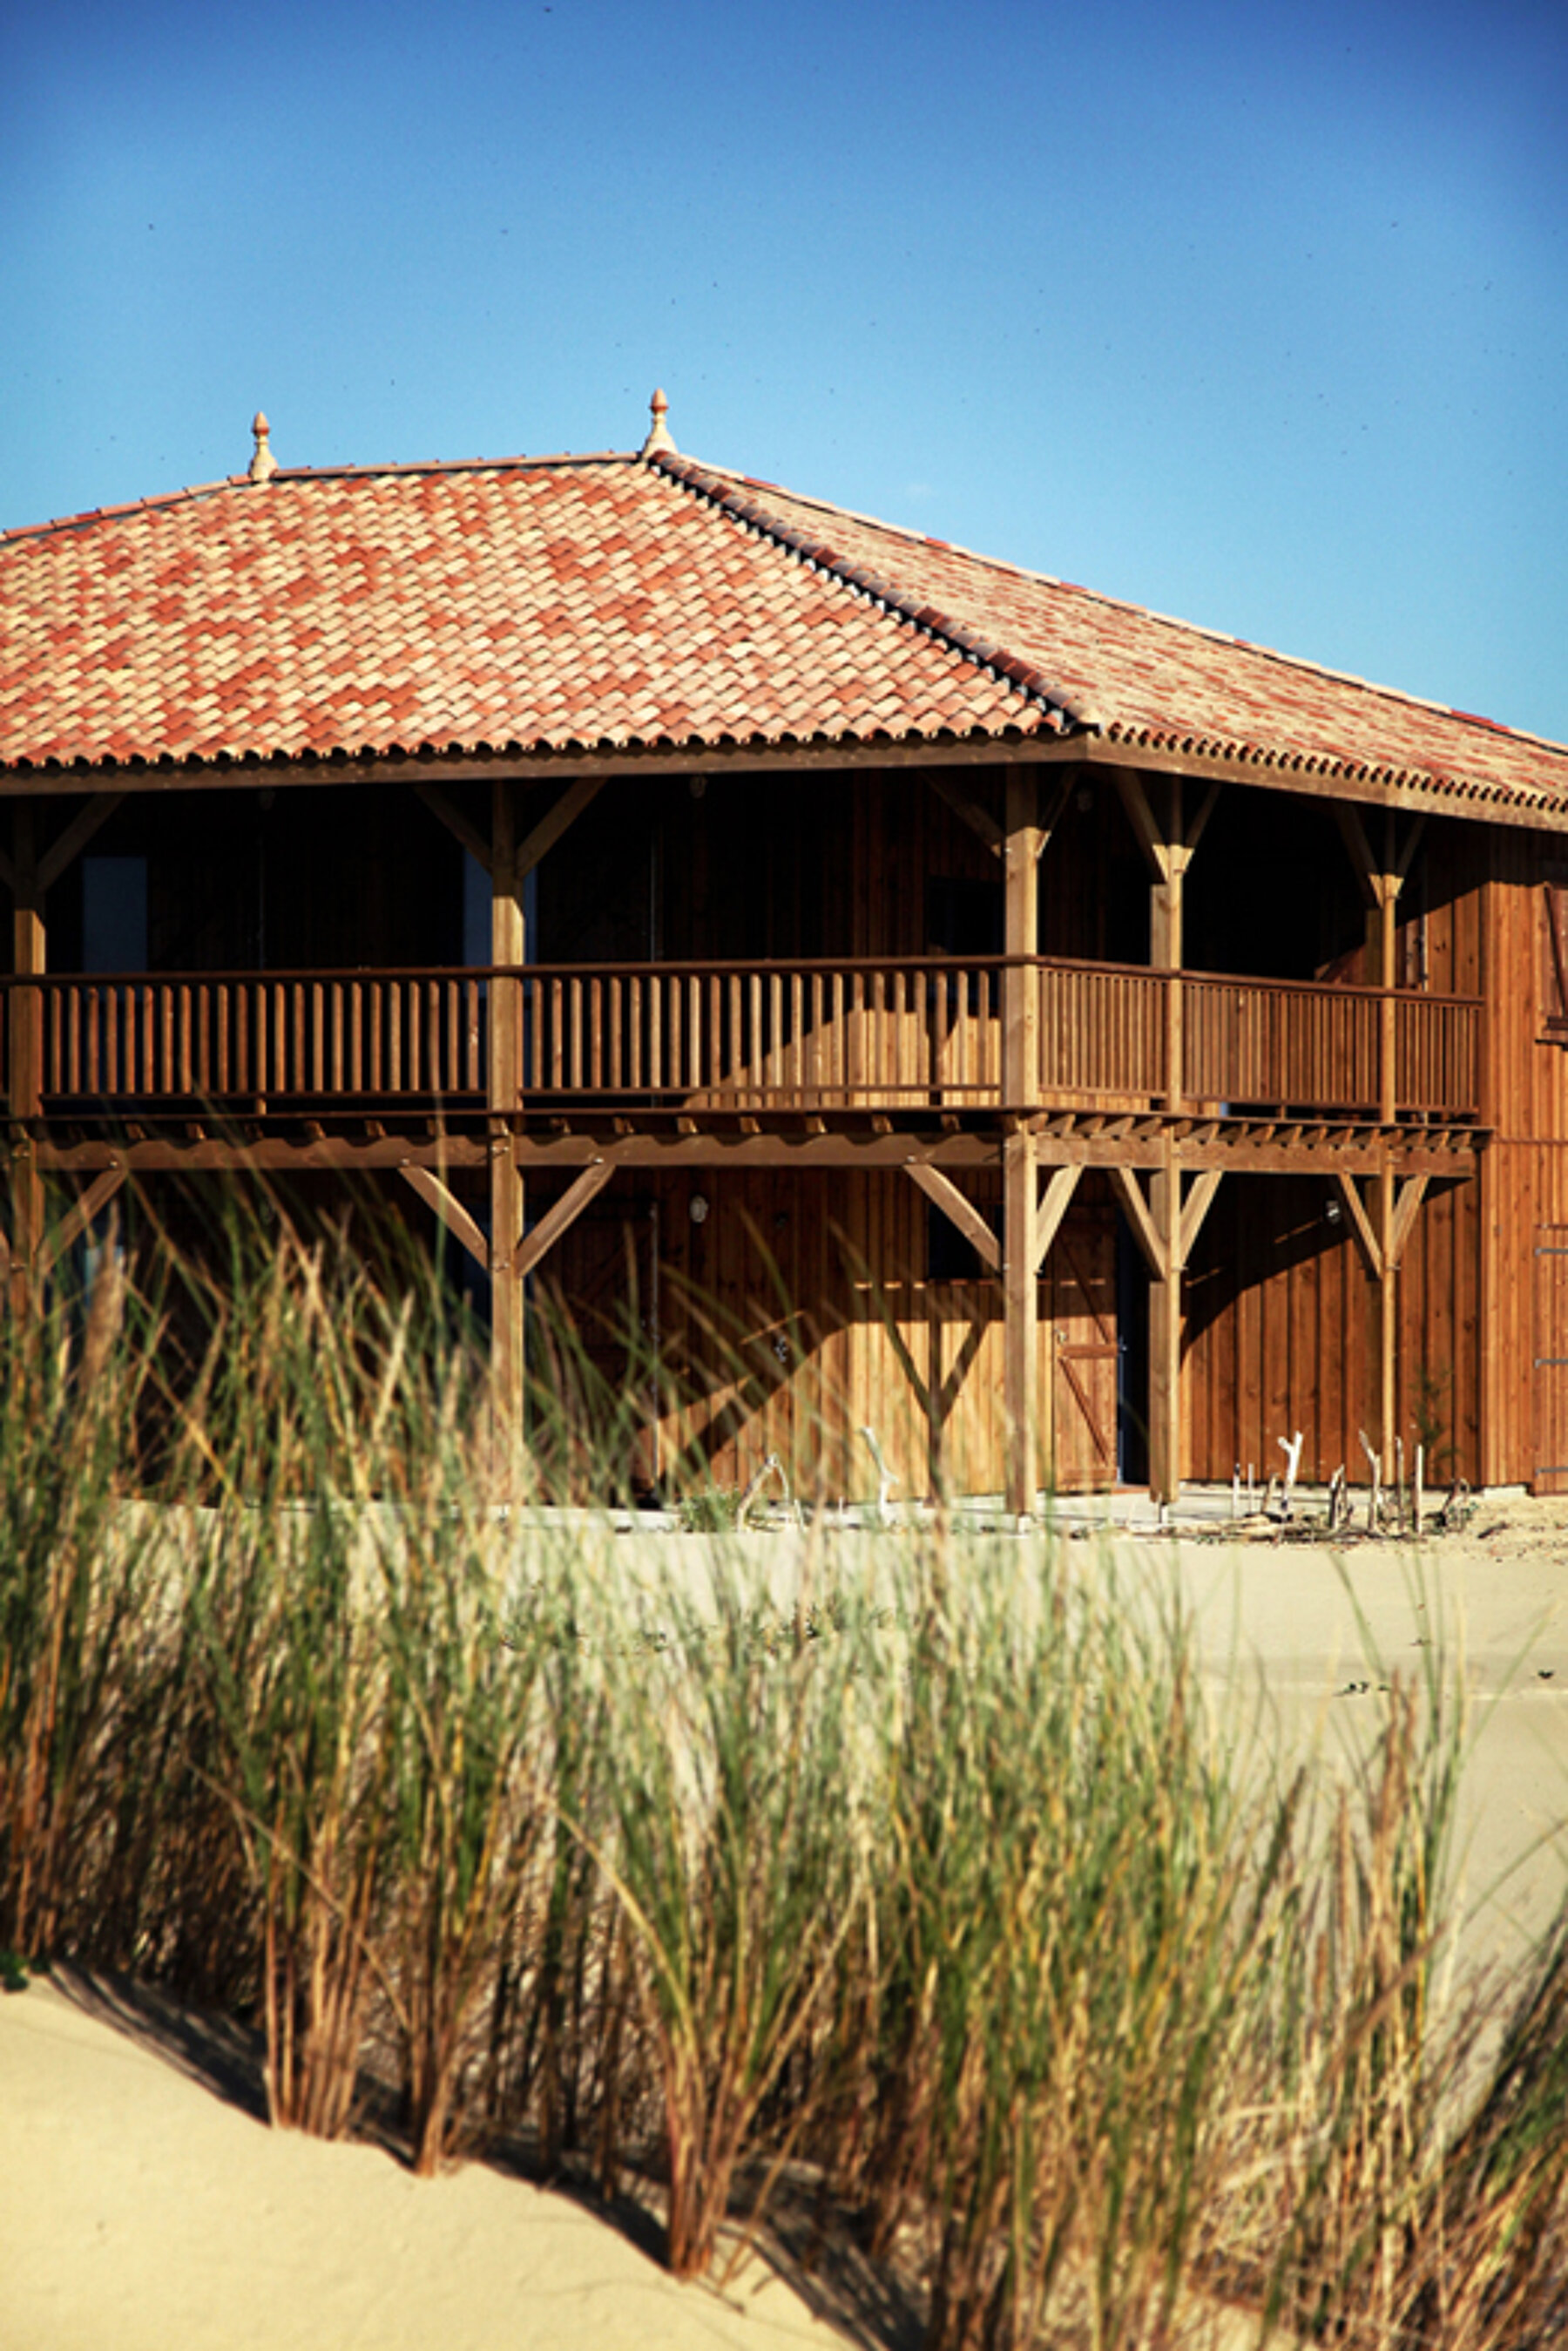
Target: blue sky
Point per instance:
(1258, 314)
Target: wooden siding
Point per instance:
(1283, 1334)
(798, 1312)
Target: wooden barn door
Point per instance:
(1080, 1313)
(1551, 1359)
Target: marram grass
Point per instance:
(915, 1864)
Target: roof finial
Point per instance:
(658, 431)
(264, 464)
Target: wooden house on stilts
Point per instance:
(1078, 1045)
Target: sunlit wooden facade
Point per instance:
(1065, 1107)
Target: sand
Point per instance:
(141, 2209)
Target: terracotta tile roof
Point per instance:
(554, 605)
(1162, 685)
(610, 604)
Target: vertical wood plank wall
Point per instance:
(1527, 1177)
(1282, 1325)
(798, 1312)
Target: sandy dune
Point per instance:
(140, 2212)
(141, 2209)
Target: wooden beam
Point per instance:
(978, 818)
(1199, 823)
(1020, 1302)
(1412, 1192)
(1538, 813)
(1406, 856)
(549, 829)
(1133, 798)
(1360, 1223)
(1195, 1207)
(452, 817)
(60, 854)
(1052, 1207)
(1135, 1208)
(458, 1223)
(82, 1213)
(1388, 1315)
(1165, 1337)
(562, 1216)
(944, 1193)
(504, 1079)
(1353, 833)
(1021, 937)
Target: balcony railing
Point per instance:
(915, 1033)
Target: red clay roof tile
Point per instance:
(604, 602)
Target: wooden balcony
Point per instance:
(912, 1035)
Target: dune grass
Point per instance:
(916, 1860)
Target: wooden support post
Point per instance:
(28, 958)
(507, 949)
(1020, 1150)
(1021, 984)
(1382, 879)
(1388, 884)
(1387, 1311)
(1021, 1375)
(1165, 1340)
(1166, 907)
(1165, 1227)
(1169, 849)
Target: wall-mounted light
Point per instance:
(697, 786)
(1332, 1210)
(698, 1209)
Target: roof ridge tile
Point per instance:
(1022, 674)
(997, 563)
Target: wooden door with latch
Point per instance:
(1079, 1306)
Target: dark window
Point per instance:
(114, 913)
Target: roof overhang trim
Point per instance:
(1317, 779)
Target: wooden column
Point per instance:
(1021, 936)
(1165, 1341)
(1166, 1228)
(1167, 909)
(507, 947)
(1021, 1094)
(1020, 1293)
(1388, 1315)
(1382, 877)
(1385, 882)
(25, 1042)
